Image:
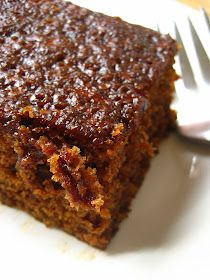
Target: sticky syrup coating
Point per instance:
(76, 72)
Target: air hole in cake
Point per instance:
(93, 165)
(26, 122)
(13, 169)
(57, 186)
(43, 174)
(94, 219)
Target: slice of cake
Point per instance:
(84, 101)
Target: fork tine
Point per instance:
(158, 28)
(186, 70)
(201, 53)
(206, 18)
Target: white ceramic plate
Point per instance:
(167, 234)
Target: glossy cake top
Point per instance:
(76, 72)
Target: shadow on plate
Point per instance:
(169, 192)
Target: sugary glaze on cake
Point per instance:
(82, 74)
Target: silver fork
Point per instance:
(193, 89)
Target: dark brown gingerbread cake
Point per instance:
(84, 102)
